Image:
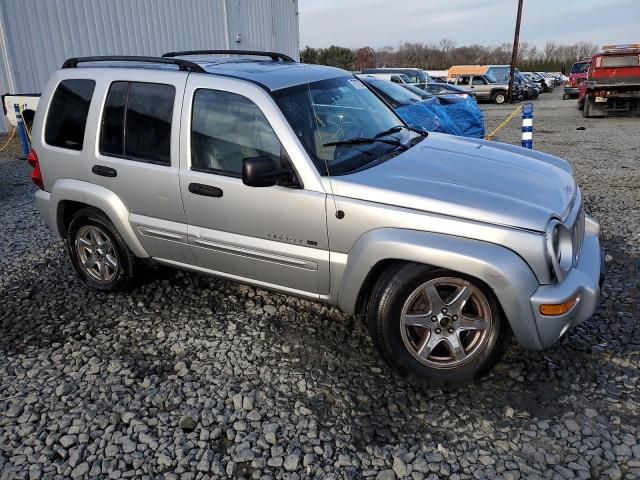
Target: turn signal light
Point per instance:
(558, 309)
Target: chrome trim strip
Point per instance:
(255, 254)
(152, 232)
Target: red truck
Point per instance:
(577, 75)
(613, 82)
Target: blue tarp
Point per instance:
(462, 118)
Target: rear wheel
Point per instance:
(586, 110)
(499, 97)
(441, 326)
(98, 252)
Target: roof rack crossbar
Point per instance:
(273, 55)
(184, 65)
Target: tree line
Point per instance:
(553, 57)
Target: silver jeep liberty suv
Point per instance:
(298, 178)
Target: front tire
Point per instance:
(499, 97)
(98, 252)
(443, 327)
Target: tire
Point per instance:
(475, 329)
(92, 240)
(565, 96)
(499, 97)
(586, 110)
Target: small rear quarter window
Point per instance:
(67, 117)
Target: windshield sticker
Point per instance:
(357, 84)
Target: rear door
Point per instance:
(274, 236)
(136, 154)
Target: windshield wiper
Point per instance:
(377, 137)
(360, 140)
(397, 128)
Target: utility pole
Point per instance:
(514, 53)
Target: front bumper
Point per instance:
(583, 283)
(571, 90)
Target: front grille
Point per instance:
(577, 234)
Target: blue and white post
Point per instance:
(22, 132)
(527, 126)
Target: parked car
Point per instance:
(577, 75)
(486, 87)
(462, 109)
(439, 76)
(298, 178)
(394, 77)
(455, 115)
(448, 89)
(415, 75)
(528, 89)
(543, 83)
(551, 81)
(613, 82)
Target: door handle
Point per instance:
(206, 190)
(104, 171)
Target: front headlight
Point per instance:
(559, 249)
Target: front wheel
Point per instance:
(443, 327)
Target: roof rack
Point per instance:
(623, 47)
(184, 65)
(274, 55)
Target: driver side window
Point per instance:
(226, 128)
(478, 81)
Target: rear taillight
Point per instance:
(36, 174)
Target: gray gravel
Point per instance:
(192, 377)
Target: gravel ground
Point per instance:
(193, 377)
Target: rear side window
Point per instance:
(136, 122)
(67, 117)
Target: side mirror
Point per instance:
(262, 171)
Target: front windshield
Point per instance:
(335, 110)
(579, 67)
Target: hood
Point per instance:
(474, 179)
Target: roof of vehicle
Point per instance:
(390, 69)
(271, 75)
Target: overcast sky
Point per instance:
(377, 23)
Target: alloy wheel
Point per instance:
(446, 322)
(96, 254)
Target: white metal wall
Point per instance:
(38, 35)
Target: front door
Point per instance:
(272, 236)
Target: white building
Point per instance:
(36, 36)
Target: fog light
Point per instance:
(558, 309)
